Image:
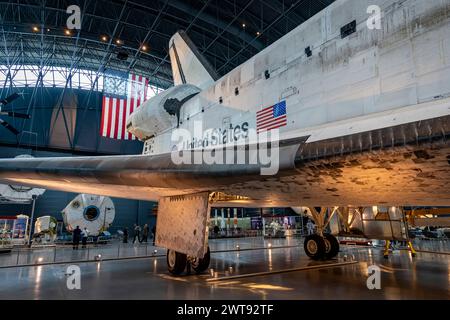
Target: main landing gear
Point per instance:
(177, 262)
(319, 247)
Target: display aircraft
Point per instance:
(354, 105)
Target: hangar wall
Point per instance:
(52, 110)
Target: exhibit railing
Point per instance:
(115, 249)
(50, 254)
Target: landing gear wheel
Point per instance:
(176, 262)
(315, 246)
(201, 264)
(331, 246)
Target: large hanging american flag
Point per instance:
(122, 95)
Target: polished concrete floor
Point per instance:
(426, 276)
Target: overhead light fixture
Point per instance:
(48, 30)
(35, 29)
(104, 38)
(67, 32)
(118, 41)
(243, 25)
(258, 33)
(144, 47)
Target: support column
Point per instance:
(386, 249)
(30, 234)
(222, 222)
(411, 248)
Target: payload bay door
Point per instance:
(183, 224)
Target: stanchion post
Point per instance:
(32, 219)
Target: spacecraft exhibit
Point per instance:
(96, 213)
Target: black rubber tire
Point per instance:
(176, 267)
(332, 248)
(203, 264)
(316, 242)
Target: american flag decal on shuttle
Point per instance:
(272, 117)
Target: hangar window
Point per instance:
(20, 78)
(85, 81)
(48, 79)
(100, 82)
(28, 75)
(2, 75)
(59, 77)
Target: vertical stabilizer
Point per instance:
(189, 66)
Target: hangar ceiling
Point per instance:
(59, 73)
(228, 32)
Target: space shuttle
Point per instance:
(351, 109)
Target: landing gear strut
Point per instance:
(177, 262)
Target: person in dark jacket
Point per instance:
(145, 231)
(137, 233)
(125, 235)
(216, 231)
(76, 236)
(154, 233)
